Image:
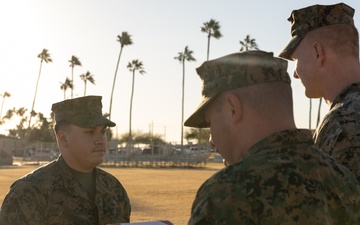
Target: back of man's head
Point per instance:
(237, 71)
(271, 101)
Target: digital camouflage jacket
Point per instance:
(282, 179)
(52, 195)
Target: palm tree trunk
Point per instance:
(310, 109)
(2, 106)
(182, 107)
(84, 87)
(318, 116)
(72, 80)
(112, 90)
(208, 47)
(36, 88)
(208, 50)
(131, 102)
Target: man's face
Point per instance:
(304, 57)
(86, 147)
(214, 116)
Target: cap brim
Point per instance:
(106, 122)
(290, 47)
(91, 122)
(197, 118)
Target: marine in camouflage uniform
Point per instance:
(58, 194)
(338, 134)
(52, 195)
(281, 179)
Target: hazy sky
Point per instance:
(160, 29)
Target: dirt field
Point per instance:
(155, 194)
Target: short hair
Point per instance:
(62, 125)
(268, 98)
(342, 38)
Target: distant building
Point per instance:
(41, 151)
(9, 147)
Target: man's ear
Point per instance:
(62, 138)
(318, 51)
(234, 107)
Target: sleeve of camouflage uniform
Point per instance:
(23, 205)
(214, 204)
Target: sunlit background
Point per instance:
(159, 29)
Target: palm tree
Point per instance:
(124, 40)
(87, 77)
(212, 29)
(182, 57)
(6, 94)
(64, 86)
(44, 57)
(248, 44)
(74, 61)
(133, 66)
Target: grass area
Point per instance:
(155, 193)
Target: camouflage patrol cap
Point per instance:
(313, 17)
(83, 112)
(234, 71)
